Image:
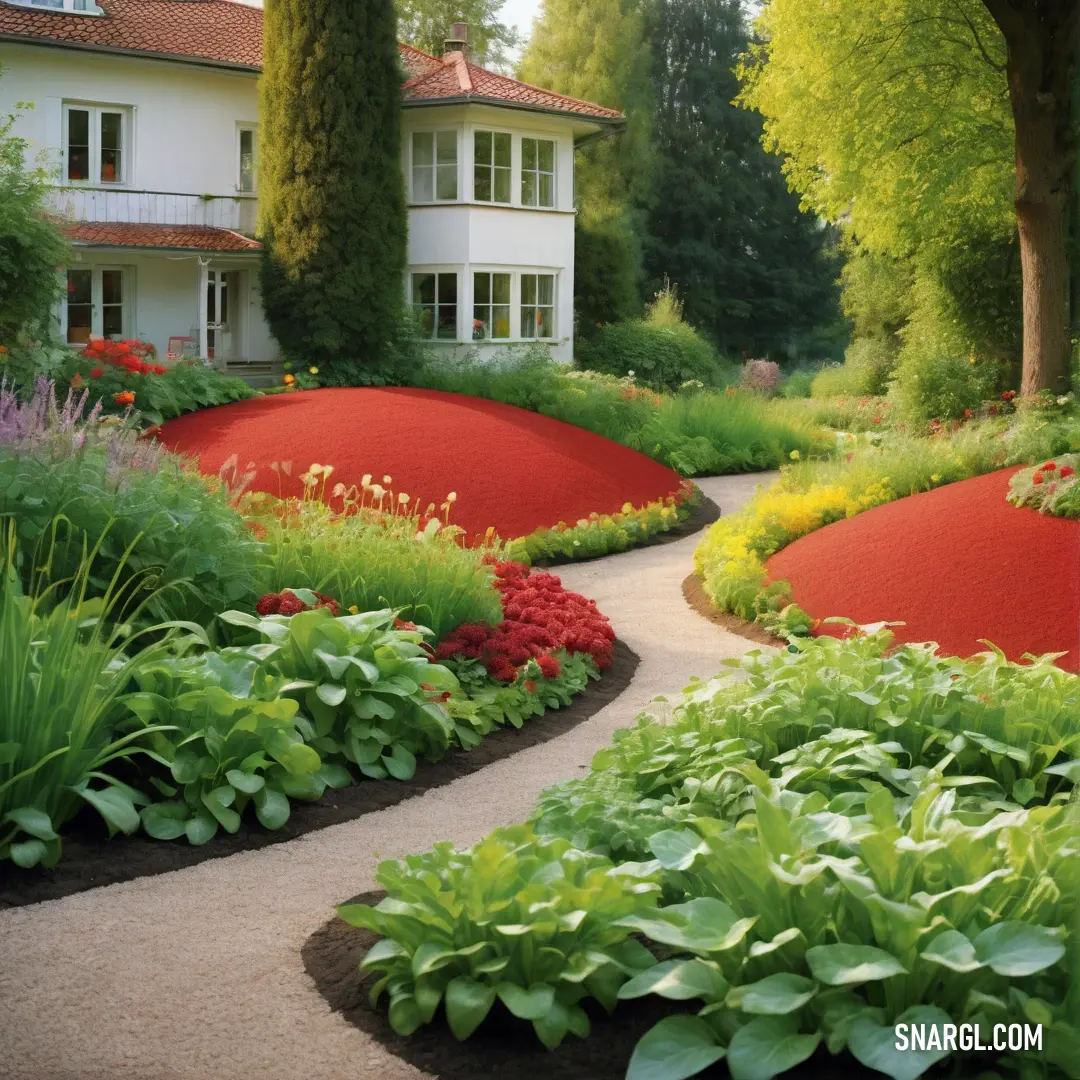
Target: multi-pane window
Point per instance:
(434, 166)
(249, 148)
(537, 305)
(94, 305)
(537, 172)
(95, 144)
(435, 298)
(491, 166)
(80, 306)
(491, 306)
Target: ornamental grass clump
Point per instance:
(77, 478)
(65, 660)
(367, 548)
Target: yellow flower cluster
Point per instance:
(731, 558)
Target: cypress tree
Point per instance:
(332, 195)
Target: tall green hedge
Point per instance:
(332, 196)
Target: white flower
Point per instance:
(402, 499)
(387, 480)
(365, 482)
(378, 492)
(452, 497)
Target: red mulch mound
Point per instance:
(511, 469)
(955, 565)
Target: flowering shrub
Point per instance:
(125, 375)
(761, 375)
(601, 534)
(288, 602)
(1051, 488)
(540, 616)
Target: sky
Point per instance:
(520, 13)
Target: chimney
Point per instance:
(458, 41)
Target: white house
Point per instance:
(148, 112)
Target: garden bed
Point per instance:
(512, 471)
(500, 1048)
(695, 595)
(958, 565)
(91, 860)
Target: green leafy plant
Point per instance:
(367, 687)
(834, 928)
(231, 739)
(64, 664)
(528, 921)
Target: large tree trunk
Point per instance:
(1042, 38)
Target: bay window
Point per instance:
(435, 299)
(434, 166)
(491, 306)
(96, 139)
(537, 305)
(492, 166)
(537, 172)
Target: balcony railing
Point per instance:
(155, 207)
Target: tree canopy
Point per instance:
(424, 24)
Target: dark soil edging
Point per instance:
(90, 860)
(694, 593)
(704, 514)
(503, 1047)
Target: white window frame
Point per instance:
(513, 170)
(491, 305)
(75, 7)
(97, 306)
(434, 132)
(241, 128)
(538, 172)
(554, 305)
(414, 302)
(127, 144)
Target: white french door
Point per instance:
(220, 303)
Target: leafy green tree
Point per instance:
(31, 244)
(753, 270)
(332, 198)
(425, 24)
(921, 122)
(598, 50)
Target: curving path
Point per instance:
(197, 974)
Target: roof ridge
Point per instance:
(461, 66)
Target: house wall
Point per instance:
(184, 155)
(162, 297)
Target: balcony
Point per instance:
(235, 212)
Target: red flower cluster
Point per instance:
(539, 616)
(133, 356)
(1008, 395)
(288, 603)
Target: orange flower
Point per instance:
(125, 397)
(289, 379)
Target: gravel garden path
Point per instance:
(198, 974)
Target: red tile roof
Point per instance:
(178, 237)
(227, 32)
(454, 77)
(217, 30)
